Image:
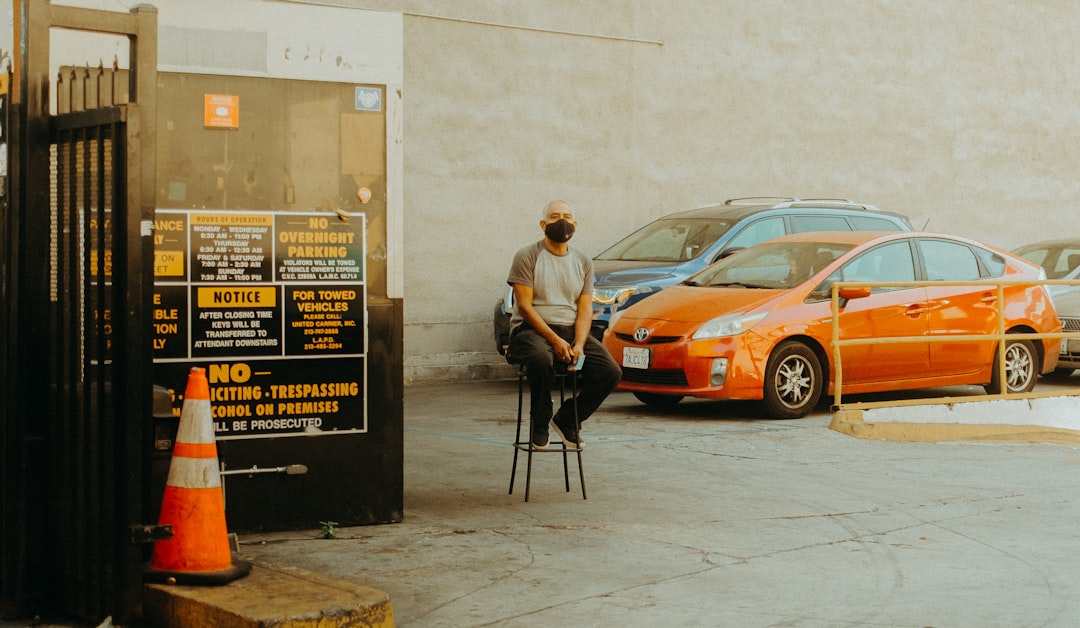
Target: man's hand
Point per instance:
(523, 297)
(563, 350)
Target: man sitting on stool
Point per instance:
(552, 317)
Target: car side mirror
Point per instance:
(847, 294)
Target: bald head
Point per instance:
(556, 210)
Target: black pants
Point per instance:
(598, 377)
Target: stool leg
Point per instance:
(528, 472)
(517, 446)
(562, 400)
(517, 436)
(529, 452)
(518, 443)
(577, 422)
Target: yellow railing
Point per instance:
(1000, 336)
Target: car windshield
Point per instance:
(1058, 260)
(777, 265)
(668, 240)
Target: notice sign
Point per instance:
(317, 248)
(231, 248)
(276, 398)
(231, 320)
(273, 305)
(321, 319)
(221, 111)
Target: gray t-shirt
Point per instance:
(556, 280)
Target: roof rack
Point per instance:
(756, 200)
(832, 202)
(783, 201)
(846, 201)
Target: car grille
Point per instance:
(664, 377)
(651, 340)
(1071, 325)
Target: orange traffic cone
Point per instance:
(194, 504)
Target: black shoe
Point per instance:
(540, 441)
(569, 435)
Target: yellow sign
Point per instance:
(237, 296)
(168, 263)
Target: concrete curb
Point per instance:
(271, 596)
(1046, 419)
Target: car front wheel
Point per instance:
(1021, 368)
(793, 381)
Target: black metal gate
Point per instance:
(78, 280)
(98, 374)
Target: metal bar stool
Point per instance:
(526, 445)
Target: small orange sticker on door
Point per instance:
(221, 111)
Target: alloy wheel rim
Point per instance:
(794, 382)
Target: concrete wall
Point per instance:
(959, 113)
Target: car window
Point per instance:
(992, 262)
(889, 262)
(779, 265)
(758, 231)
(668, 240)
(949, 261)
(800, 224)
(873, 223)
(1058, 261)
(701, 236)
(1040, 256)
(1067, 261)
(772, 267)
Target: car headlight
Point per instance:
(611, 296)
(728, 325)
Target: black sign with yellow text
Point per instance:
(273, 305)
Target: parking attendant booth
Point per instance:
(277, 252)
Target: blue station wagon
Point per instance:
(671, 248)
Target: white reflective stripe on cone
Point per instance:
(193, 430)
(194, 473)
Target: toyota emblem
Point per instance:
(641, 334)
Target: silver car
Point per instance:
(1068, 309)
(1061, 260)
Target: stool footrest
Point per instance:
(562, 447)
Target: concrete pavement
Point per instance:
(708, 515)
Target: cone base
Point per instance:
(238, 570)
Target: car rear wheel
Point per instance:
(793, 381)
(1021, 368)
(655, 400)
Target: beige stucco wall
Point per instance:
(961, 114)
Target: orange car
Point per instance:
(757, 325)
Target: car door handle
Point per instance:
(915, 310)
(989, 298)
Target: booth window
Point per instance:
(293, 146)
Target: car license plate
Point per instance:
(1064, 346)
(636, 357)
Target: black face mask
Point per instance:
(559, 231)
